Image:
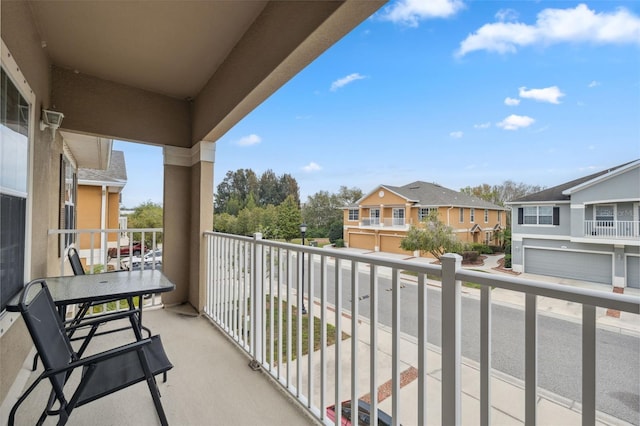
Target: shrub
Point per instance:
(335, 232)
(481, 248)
(496, 249)
(470, 256)
(507, 261)
(339, 243)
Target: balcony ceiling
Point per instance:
(182, 42)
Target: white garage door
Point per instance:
(567, 264)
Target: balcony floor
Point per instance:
(210, 384)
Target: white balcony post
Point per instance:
(257, 299)
(451, 339)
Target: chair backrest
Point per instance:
(46, 328)
(74, 259)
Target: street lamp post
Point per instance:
(303, 231)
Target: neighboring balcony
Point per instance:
(612, 229)
(387, 222)
(395, 329)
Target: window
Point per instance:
(604, 215)
(472, 215)
(374, 216)
(398, 217)
(486, 215)
(424, 212)
(14, 145)
(354, 214)
(499, 216)
(539, 215)
(68, 191)
(461, 214)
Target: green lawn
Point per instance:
(317, 328)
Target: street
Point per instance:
(559, 342)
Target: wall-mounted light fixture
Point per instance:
(51, 119)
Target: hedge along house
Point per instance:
(172, 74)
(587, 229)
(98, 206)
(380, 219)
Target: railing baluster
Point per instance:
(338, 345)
(395, 349)
(271, 307)
(485, 356)
(354, 338)
(588, 365)
(323, 336)
(451, 339)
(280, 313)
(310, 288)
(373, 347)
(299, 303)
(422, 350)
(289, 314)
(531, 358)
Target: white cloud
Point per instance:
(553, 26)
(312, 167)
(482, 125)
(506, 15)
(594, 84)
(511, 101)
(548, 94)
(341, 82)
(411, 12)
(249, 140)
(514, 122)
(456, 135)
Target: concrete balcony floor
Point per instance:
(210, 384)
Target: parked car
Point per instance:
(364, 416)
(148, 259)
(137, 247)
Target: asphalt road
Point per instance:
(559, 343)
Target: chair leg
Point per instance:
(155, 394)
(35, 362)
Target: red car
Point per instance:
(137, 247)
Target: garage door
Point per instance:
(566, 264)
(391, 244)
(363, 241)
(633, 271)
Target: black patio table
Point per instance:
(77, 289)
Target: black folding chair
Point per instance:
(102, 374)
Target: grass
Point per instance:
(317, 329)
(112, 306)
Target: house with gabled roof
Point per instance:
(587, 229)
(98, 205)
(380, 219)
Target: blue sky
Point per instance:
(448, 91)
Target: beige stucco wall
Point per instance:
(21, 38)
(113, 214)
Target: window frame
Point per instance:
(461, 214)
(486, 215)
(604, 223)
(19, 81)
(353, 215)
(472, 215)
(531, 214)
(422, 216)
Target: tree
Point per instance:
(288, 220)
(146, 215)
(434, 237)
(323, 211)
(500, 194)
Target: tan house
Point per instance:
(380, 219)
(98, 205)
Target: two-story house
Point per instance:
(586, 229)
(380, 219)
(98, 205)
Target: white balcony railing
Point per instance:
(249, 279)
(624, 229)
(95, 250)
(370, 221)
(395, 221)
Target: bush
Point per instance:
(335, 232)
(481, 248)
(507, 261)
(496, 249)
(470, 256)
(339, 243)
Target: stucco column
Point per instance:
(188, 212)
